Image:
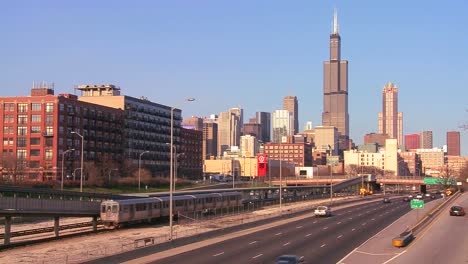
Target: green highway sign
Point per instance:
(417, 204)
(431, 180)
(448, 181)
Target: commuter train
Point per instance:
(115, 213)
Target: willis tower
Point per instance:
(335, 89)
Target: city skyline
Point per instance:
(242, 63)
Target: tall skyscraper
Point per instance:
(335, 89)
(264, 119)
(210, 139)
(390, 120)
(426, 140)
(412, 141)
(229, 124)
(290, 104)
(282, 125)
(453, 143)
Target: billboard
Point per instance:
(262, 165)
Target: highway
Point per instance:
(445, 241)
(319, 240)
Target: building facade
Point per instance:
(147, 125)
(282, 124)
(253, 129)
(453, 143)
(189, 158)
(390, 120)
(193, 122)
(335, 86)
(264, 119)
(431, 160)
(375, 138)
(426, 140)
(290, 104)
(412, 141)
(326, 139)
(298, 154)
(249, 146)
(229, 130)
(210, 139)
(37, 130)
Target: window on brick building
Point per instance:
(35, 141)
(22, 107)
(36, 107)
(35, 118)
(48, 154)
(49, 107)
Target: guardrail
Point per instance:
(49, 229)
(19, 205)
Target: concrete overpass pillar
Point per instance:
(94, 223)
(6, 239)
(56, 225)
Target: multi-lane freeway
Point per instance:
(318, 240)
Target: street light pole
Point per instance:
(139, 169)
(281, 179)
(171, 172)
(82, 153)
(63, 161)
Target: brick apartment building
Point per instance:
(37, 130)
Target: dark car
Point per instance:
(386, 200)
(406, 199)
(289, 259)
(457, 210)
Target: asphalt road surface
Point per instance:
(319, 240)
(445, 241)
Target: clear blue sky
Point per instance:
(249, 54)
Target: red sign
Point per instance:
(262, 164)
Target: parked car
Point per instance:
(322, 211)
(386, 200)
(457, 210)
(289, 259)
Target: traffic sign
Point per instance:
(417, 204)
(431, 180)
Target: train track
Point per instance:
(49, 229)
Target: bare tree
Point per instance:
(351, 170)
(447, 177)
(13, 168)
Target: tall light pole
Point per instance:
(171, 172)
(281, 178)
(82, 153)
(63, 161)
(139, 168)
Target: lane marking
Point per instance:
(364, 223)
(373, 219)
(314, 222)
(253, 242)
(341, 261)
(277, 234)
(298, 227)
(399, 254)
(349, 211)
(308, 235)
(353, 229)
(359, 214)
(259, 255)
(323, 245)
(374, 254)
(325, 228)
(218, 254)
(286, 244)
(350, 218)
(338, 223)
(339, 236)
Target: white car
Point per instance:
(419, 196)
(322, 211)
(427, 195)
